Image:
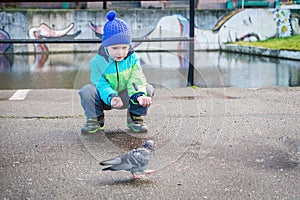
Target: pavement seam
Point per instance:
(40, 117)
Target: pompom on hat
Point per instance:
(116, 31)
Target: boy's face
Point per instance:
(118, 52)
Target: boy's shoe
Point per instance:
(136, 123)
(93, 125)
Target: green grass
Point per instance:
(289, 43)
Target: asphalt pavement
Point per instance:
(212, 143)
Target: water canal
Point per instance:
(167, 69)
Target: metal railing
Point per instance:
(190, 39)
(51, 40)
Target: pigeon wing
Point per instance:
(139, 159)
(134, 160)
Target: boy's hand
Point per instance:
(116, 102)
(144, 101)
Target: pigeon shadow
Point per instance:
(123, 182)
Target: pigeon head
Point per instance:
(150, 144)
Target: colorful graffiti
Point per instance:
(282, 19)
(5, 61)
(4, 46)
(44, 31)
(239, 25)
(97, 29)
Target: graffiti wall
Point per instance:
(248, 24)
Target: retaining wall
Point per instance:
(213, 27)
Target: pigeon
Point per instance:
(133, 161)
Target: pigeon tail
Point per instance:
(109, 169)
(114, 161)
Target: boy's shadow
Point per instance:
(120, 138)
(124, 139)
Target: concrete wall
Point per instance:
(19, 24)
(213, 27)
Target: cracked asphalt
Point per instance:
(219, 143)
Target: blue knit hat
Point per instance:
(116, 31)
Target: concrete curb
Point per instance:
(293, 55)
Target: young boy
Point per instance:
(117, 80)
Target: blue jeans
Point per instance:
(94, 107)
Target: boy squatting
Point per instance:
(117, 80)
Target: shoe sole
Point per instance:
(137, 130)
(94, 131)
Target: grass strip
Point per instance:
(291, 43)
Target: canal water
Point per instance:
(163, 69)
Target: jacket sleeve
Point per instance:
(136, 85)
(105, 90)
(98, 79)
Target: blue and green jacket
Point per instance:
(110, 76)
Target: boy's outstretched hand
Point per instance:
(144, 101)
(116, 102)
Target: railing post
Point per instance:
(104, 5)
(191, 44)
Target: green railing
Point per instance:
(253, 3)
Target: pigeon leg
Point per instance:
(135, 177)
(148, 172)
